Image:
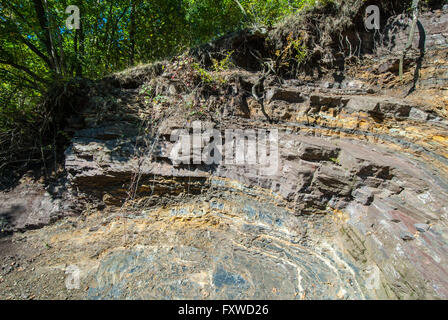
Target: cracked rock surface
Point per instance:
(357, 208)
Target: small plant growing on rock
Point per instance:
(147, 91)
(204, 75)
(224, 64)
(159, 99)
(301, 50)
(295, 49)
(336, 161)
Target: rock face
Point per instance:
(30, 206)
(374, 162)
(234, 248)
(357, 207)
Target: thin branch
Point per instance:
(241, 7)
(25, 69)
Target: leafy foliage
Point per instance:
(38, 53)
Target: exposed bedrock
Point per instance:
(377, 196)
(356, 209)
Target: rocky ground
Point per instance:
(358, 208)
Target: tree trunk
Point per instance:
(132, 35)
(47, 40)
(79, 35)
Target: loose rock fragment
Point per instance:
(406, 236)
(421, 227)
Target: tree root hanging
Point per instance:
(411, 35)
(258, 88)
